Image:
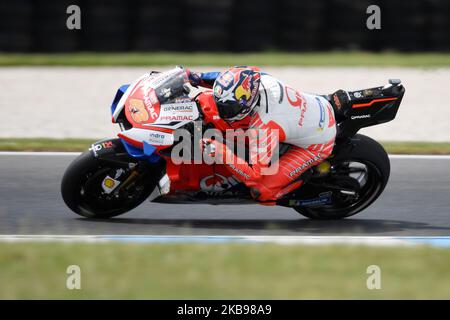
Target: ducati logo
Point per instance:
(217, 183)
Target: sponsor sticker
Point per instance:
(239, 171)
(166, 92)
(226, 79)
(109, 184)
(177, 107)
(161, 78)
(217, 91)
(363, 116)
(185, 111)
(99, 146)
(302, 115)
(323, 199)
(138, 111)
(322, 115)
(171, 118)
(152, 98)
(156, 138)
(159, 138)
(304, 166)
(217, 183)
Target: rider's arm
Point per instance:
(246, 173)
(203, 79)
(249, 173)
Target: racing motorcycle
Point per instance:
(116, 175)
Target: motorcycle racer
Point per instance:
(280, 132)
(306, 122)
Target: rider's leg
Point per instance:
(267, 188)
(291, 165)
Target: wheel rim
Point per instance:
(92, 198)
(369, 178)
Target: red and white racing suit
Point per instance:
(304, 121)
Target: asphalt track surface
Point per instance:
(416, 202)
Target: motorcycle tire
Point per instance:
(364, 150)
(75, 180)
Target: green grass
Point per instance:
(46, 144)
(438, 148)
(426, 60)
(221, 271)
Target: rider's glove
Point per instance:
(214, 149)
(208, 147)
(194, 78)
(340, 101)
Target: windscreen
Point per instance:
(169, 85)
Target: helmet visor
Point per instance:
(229, 109)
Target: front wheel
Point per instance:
(100, 189)
(359, 174)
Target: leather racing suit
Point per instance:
(304, 121)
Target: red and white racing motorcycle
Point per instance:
(116, 175)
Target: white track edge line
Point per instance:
(38, 153)
(47, 153)
(282, 240)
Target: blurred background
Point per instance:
(223, 25)
(316, 46)
(56, 87)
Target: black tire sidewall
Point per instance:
(360, 148)
(70, 187)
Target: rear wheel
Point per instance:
(86, 192)
(358, 176)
